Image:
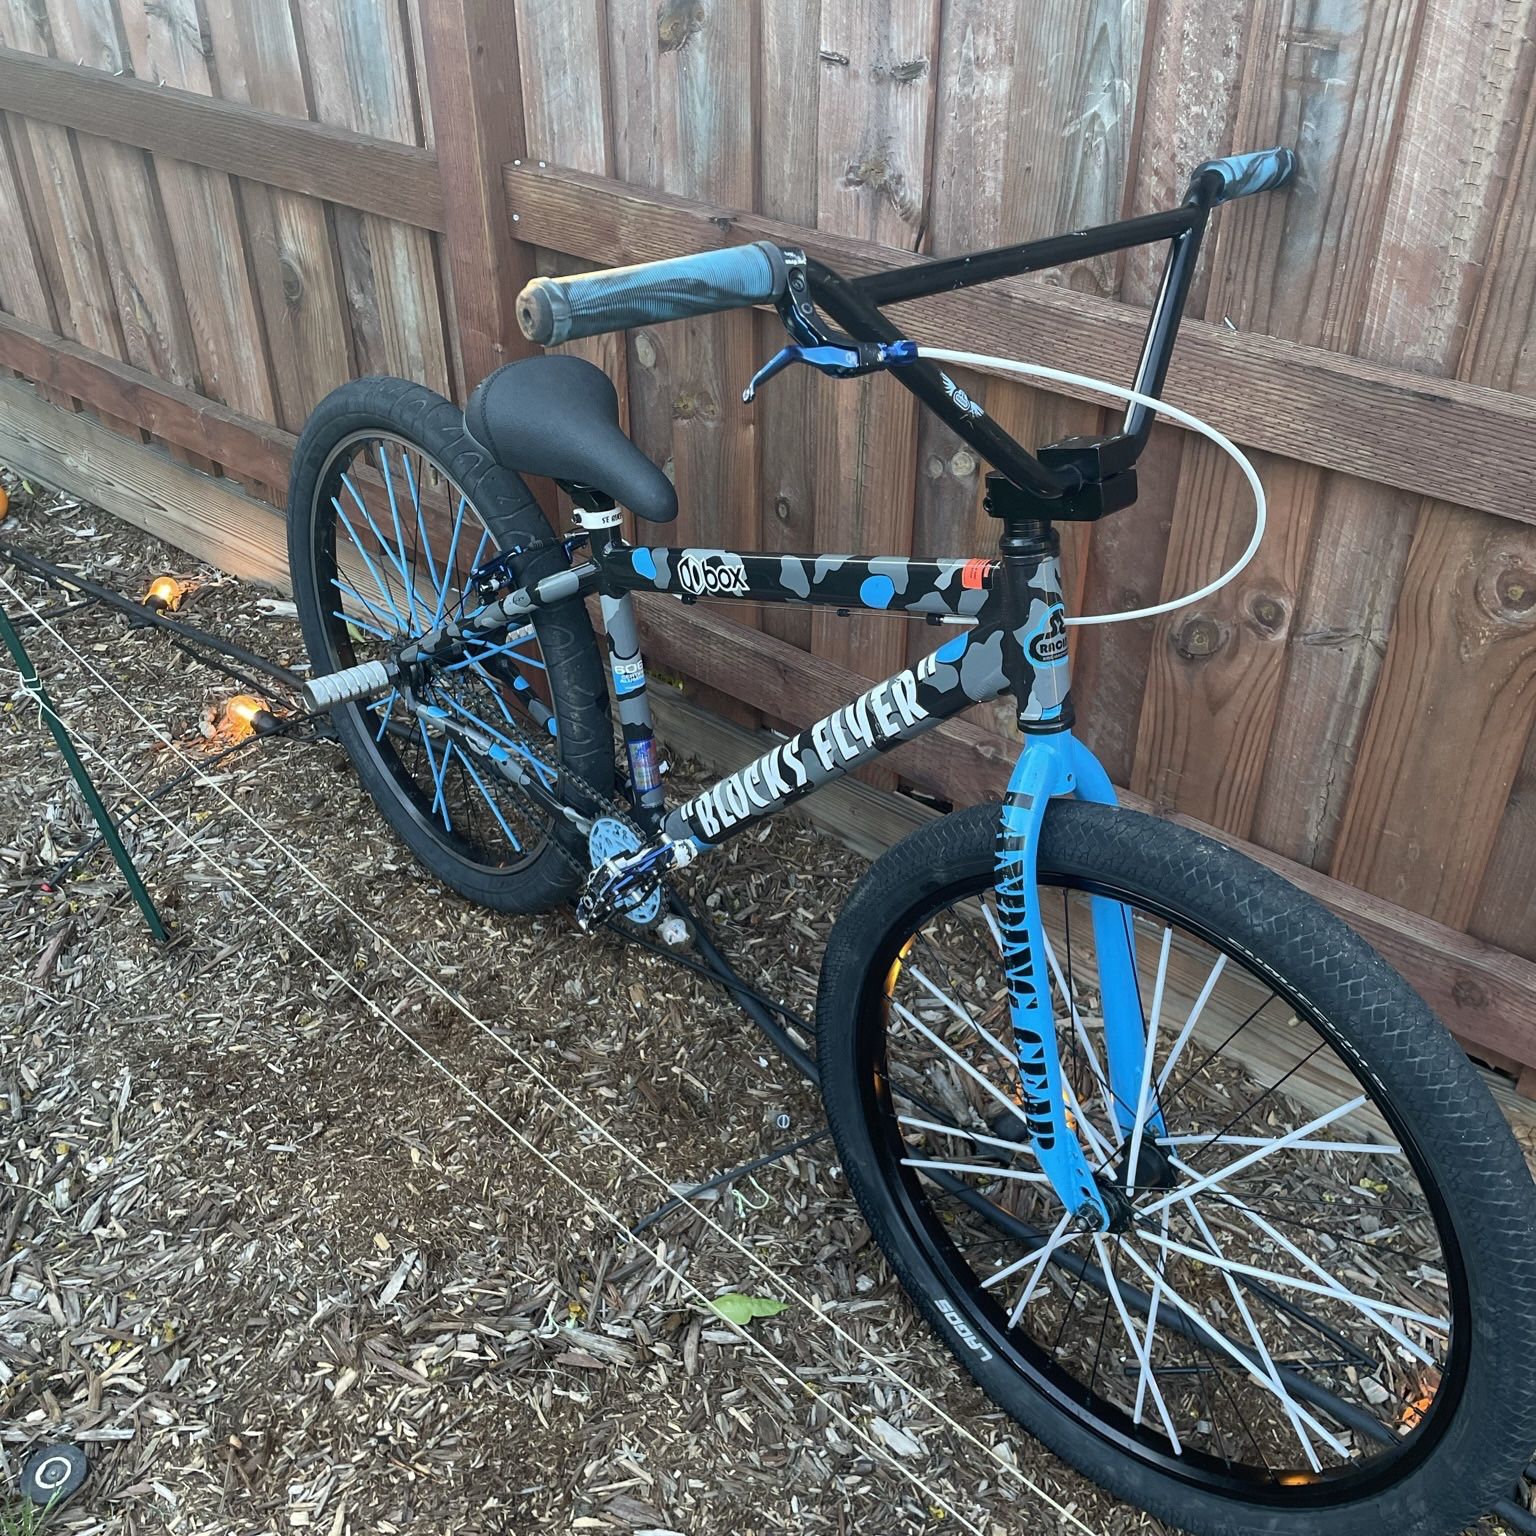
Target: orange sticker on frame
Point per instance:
(974, 574)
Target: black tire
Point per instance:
(1464, 1458)
(545, 874)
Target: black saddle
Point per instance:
(559, 416)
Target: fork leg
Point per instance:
(1044, 769)
(1114, 941)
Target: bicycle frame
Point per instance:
(1018, 645)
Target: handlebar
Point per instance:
(1220, 181)
(555, 309)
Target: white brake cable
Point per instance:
(983, 361)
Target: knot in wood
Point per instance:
(1200, 637)
(1268, 612)
(678, 23)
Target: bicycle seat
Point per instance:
(559, 416)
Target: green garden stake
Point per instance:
(33, 684)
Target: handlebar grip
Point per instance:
(1261, 171)
(551, 310)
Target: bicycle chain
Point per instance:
(609, 806)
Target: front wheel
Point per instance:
(1319, 1318)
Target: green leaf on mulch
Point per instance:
(739, 1309)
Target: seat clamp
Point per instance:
(595, 520)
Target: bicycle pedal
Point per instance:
(612, 847)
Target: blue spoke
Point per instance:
(396, 557)
(421, 528)
(474, 565)
(450, 566)
(373, 570)
(541, 768)
(384, 706)
(394, 512)
(508, 648)
(437, 774)
(360, 624)
(486, 795)
(492, 688)
(347, 590)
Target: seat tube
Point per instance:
(626, 667)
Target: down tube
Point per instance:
(965, 670)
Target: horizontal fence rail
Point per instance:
(398, 181)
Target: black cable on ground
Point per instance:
(48, 615)
(759, 1009)
(58, 576)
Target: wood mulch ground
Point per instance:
(313, 1220)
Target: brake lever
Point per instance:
(838, 361)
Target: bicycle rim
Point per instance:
(1311, 1286)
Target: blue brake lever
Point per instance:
(838, 361)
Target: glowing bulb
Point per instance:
(247, 713)
(164, 595)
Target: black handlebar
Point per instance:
(553, 310)
(1263, 170)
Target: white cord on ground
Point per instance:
(985, 362)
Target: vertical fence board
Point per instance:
(786, 137)
(1187, 78)
(1461, 663)
(256, 58)
(165, 45)
(874, 116)
(357, 59)
(1287, 266)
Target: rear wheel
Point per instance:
(1319, 1319)
(392, 507)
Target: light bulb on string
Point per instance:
(246, 714)
(165, 594)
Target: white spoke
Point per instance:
(1220, 1340)
(1149, 1050)
(1059, 1235)
(976, 1136)
(1257, 1155)
(1095, 1066)
(1182, 1038)
(1258, 1340)
(991, 1170)
(960, 1061)
(1336, 1287)
(1274, 1277)
(1157, 1291)
(960, 1013)
(1102, 1148)
(1048, 1246)
(1141, 1348)
(1381, 1148)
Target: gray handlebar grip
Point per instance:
(1241, 175)
(551, 310)
(323, 693)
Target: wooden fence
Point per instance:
(221, 208)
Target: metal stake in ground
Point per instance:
(33, 684)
